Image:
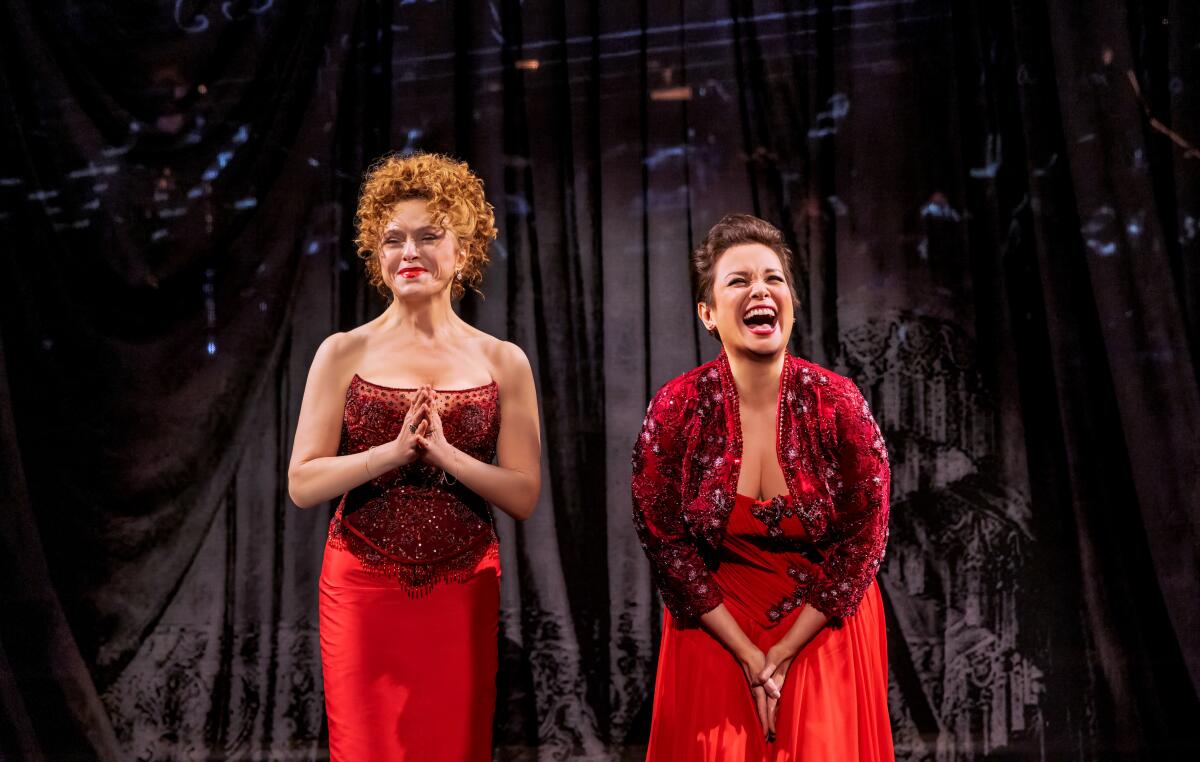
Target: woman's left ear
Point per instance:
(705, 315)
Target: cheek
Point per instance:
(783, 297)
(726, 306)
(444, 262)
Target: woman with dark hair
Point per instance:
(760, 490)
(402, 417)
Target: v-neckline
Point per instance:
(736, 423)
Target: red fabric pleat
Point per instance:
(834, 701)
(408, 678)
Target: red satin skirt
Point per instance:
(834, 701)
(408, 677)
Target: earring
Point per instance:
(458, 274)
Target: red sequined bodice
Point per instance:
(414, 522)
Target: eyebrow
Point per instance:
(431, 226)
(745, 274)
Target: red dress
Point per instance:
(820, 545)
(410, 593)
(834, 701)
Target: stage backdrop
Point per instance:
(994, 211)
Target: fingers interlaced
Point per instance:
(767, 679)
(424, 406)
(771, 688)
(772, 718)
(420, 434)
(760, 706)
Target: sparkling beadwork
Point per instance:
(408, 523)
(834, 461)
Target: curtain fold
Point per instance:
(993, 212)
(1111, 152)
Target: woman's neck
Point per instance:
(756, 376)
(423, 318)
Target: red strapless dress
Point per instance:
(834, 701)
(410, 593)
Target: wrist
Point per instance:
(443, 455)
(785, 648)
(797, 637)
(747, 653)
(386, 457)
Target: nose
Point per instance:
(408, 250)
(759, 290)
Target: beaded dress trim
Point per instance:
(413, 523)
(686, 463)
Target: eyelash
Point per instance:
(739, 281)
(424, 238)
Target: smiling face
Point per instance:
(751, 304)
(418, 258)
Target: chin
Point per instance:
(764, 347)
(762, 350)
(407, 291)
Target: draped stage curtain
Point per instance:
(994, 211)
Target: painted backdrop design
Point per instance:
(994, 209)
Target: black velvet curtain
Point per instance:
(994, 208)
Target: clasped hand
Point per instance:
(765, 673)
(421, 436)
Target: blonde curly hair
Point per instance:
(455, 198)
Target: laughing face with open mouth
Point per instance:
(750, 307)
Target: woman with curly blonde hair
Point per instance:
(402, 418)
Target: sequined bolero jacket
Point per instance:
(686, 464)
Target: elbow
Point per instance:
(524, 508)
(298, 499)
(296, 492)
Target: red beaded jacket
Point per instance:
(686, 464)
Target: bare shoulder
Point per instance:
(334, 348)
(337, 356)
(511, 358)
(506, 360)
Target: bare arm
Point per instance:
(316, 472)
(514, 483)
(808, 623)
(724, 628)
(721, 625)
(779, 658)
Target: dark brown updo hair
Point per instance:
(734, 230)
